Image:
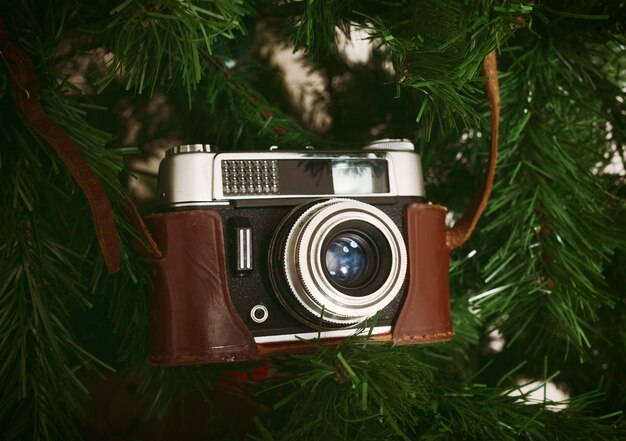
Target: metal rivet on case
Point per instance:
(259, 313)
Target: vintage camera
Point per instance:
(265, 249)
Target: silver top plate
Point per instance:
(199, 177)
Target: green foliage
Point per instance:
(161, 386)
(442, 60)
(545, 269)
(46, 259)
(232, 101)
(316, 27)
(49, 266)
(369, 390)
(345, 393)
(160, 40)
(556, 241)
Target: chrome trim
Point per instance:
(198, 204)
(242, 249)
(186, 179)
(261, 308)
(188, 148)
(324, 334)
(389, 144)
(248, 240)
(405, 171)
(304, 268)
(243, 245)
(195, 178)
(218, 192)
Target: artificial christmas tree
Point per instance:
(537, 291)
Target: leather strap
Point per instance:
(462, 229)
(148, 248)
(25, 85)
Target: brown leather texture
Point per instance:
(25, 83)
(425, 315)
(462, 229)
(192, 317)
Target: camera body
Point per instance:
(265, 249)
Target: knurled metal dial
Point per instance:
(188, 148)
(397, 145)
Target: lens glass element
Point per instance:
(345, 260)
(350, 260)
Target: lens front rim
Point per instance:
(305, 269)
(313, 273)
(289, 292)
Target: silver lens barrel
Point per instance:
(306, 270)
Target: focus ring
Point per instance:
(304, 268)
(291, 269)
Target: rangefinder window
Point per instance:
(360, 176)
(305, 176)
(333, 176)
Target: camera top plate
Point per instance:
(193, 175)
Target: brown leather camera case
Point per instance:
(193, 320)
(425, 314)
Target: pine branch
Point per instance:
(155, 41)
(369, 390)
(541, 257)
(315, 28)
(443, 59)
(49, 262)
(42, 265)
(558, 233)
(345, 393)
(234, 103)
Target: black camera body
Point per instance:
(264, 249)
(254, 294)
(346, 263)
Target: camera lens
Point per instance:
(349, 260)
(357, 257)
(337, 262)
